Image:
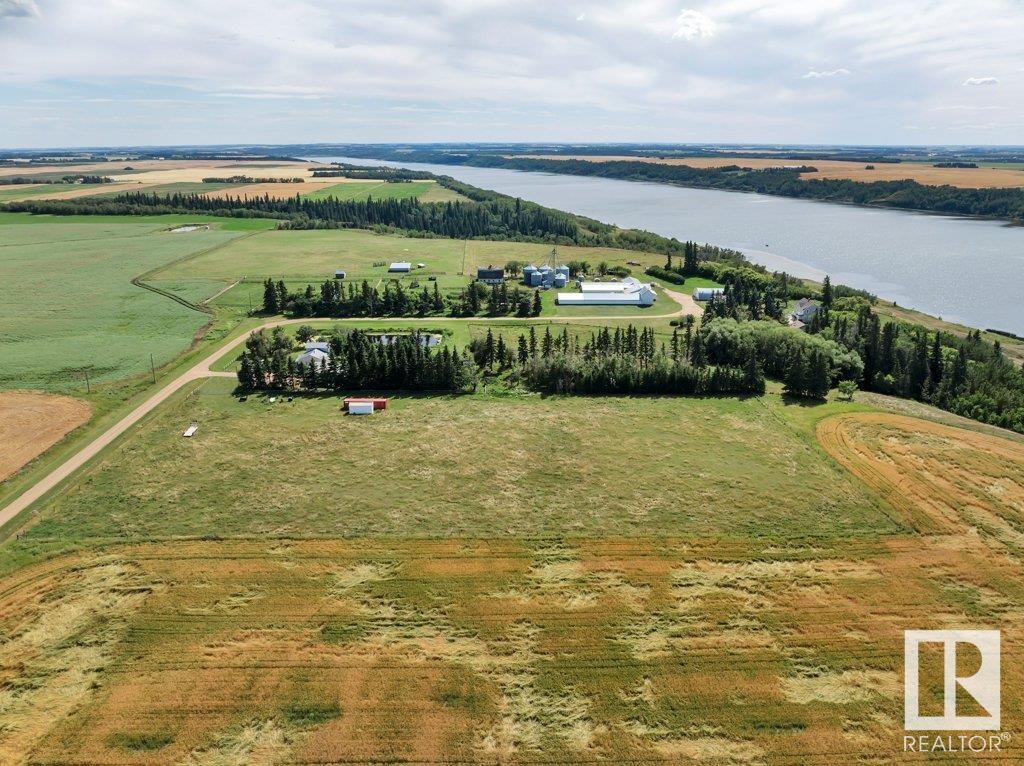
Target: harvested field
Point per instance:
(320, 652)
(31, 423)
(943, 480)
(923, 173)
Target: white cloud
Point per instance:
(981, 81)
(691, 25)
(302, 70)
(18, 8)
(816, 75)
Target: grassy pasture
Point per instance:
(13, 193)
(494, 467)
(71, 305)
(381, 190)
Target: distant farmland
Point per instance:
(924, 173)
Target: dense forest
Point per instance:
(786, 182)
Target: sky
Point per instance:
(161, 72)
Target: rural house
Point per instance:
(317, 355)
(804, 310)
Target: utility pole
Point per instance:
(152, 366)
(88, 389)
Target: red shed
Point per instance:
(379, 403)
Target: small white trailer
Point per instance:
(360, 408)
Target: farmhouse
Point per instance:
(628, 292)
(804, 310)
(319, 356)
(318, 345)
(400, 266)
(490, 275)
(707, 293)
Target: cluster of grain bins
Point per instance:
(545, 276)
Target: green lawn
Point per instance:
(429, 191)
(471, 466)
(70, 305)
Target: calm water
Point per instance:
(965, 270)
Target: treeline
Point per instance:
(623, 361)
(967, 376)
(336, 299)
(357, 361)
(373, 173)
(252, 180)
(73, 179)
(488, 215)
(906, 194)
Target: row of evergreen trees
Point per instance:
(336, 299)
(358, 361)
(624, 361)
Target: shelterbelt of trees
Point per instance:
(785, 182)
(627, 361)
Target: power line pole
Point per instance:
(152, 366)
(88, 389)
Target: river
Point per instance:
(961, 269)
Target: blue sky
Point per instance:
(124, 72)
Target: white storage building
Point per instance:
(628, 292)
(707, 293)
(360, 408)
(400, 266)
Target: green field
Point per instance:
(426, 191)
(466, 466)
(12, 193)
(71, 306)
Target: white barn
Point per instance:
(628, 292)
(400, 266)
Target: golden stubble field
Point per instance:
(923, 173)
(32, 422)
(683, 650)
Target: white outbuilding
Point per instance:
(360, 408)
(707, 293)
(400, 266)
(628, 292)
